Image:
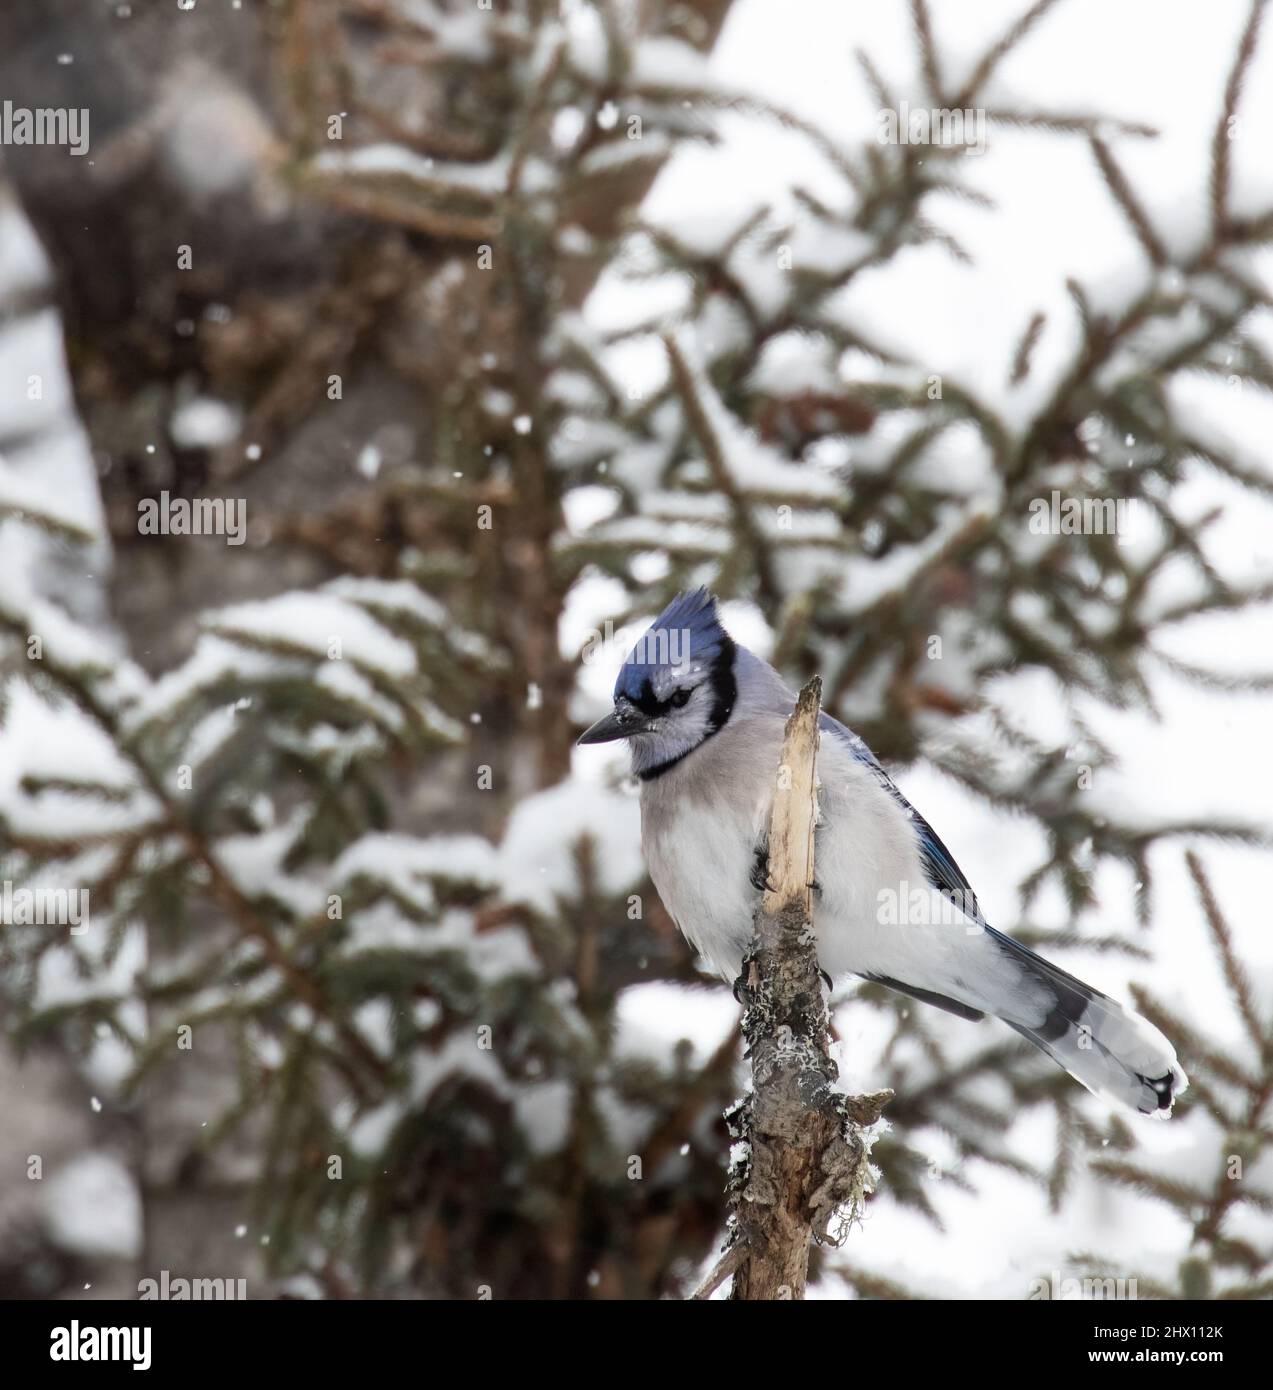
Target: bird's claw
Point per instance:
(760, 870)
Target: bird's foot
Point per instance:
(759, 876)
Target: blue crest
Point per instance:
(680, 647)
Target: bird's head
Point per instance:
(676, 688)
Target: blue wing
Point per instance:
(1073, 999)
(939, 863)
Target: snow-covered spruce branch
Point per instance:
(806, 1153)
(223, 890)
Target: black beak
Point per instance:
(614, 725)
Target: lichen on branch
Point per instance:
(804, 1146)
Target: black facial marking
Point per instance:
(724, 690)
(646, 701)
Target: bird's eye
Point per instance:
(681, 697)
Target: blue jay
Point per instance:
(704, 719)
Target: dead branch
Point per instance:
(806, 1156)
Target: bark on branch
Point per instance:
(806, 1157)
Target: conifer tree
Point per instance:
(364, 955)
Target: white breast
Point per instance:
(701, 823)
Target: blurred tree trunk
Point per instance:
(189, 266)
